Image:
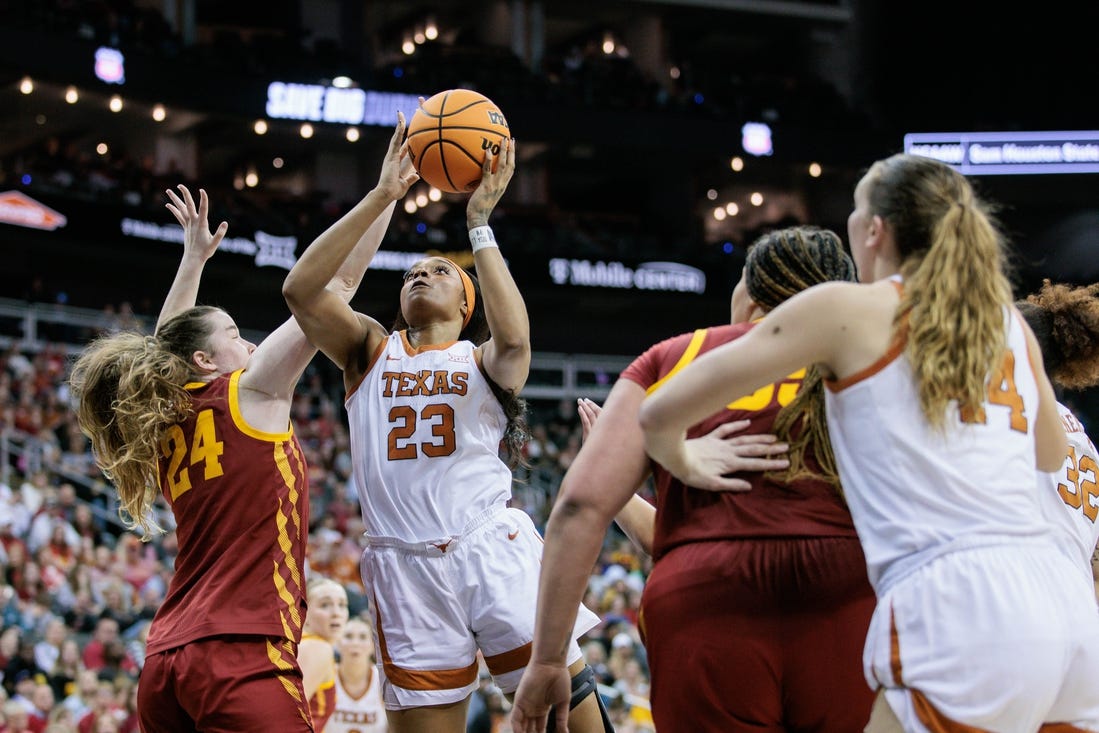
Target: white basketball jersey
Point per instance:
(1071, 496)
(365, 714)
(425, 441)
(916, 493)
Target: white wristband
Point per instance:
(481, 237)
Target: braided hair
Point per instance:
(780, 265)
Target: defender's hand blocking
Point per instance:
(397, 174)
(589, 413)
(198, 241)
(495, 176)
(721, 451)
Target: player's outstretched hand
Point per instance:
(198, 240)
(589, 413)
(544, 690)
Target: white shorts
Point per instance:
(436, 603)
(1002, 638)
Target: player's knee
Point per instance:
(583, 685)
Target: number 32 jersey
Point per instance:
(425, 441)
(1071, 496)
(240, 500)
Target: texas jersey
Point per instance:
(1071, 496)
(362, 714)
(915, 492)
(425, 441)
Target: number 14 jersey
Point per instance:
(916, 492)
(425, 441)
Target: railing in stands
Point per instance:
(33, 327)
(17, 447)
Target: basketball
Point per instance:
(448, 137)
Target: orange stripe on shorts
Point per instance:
(509, 661)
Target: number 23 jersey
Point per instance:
(425, 441)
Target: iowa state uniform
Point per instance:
(450, 568)
(982, 622)
(236, 602)
(758, 603)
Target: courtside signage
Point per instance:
(1009, 153)
(21, 210)
(316, 103)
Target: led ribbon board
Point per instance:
(1009, 153)
(316, 103)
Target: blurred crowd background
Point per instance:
(77, 591)
(629, 115)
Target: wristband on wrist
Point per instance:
(481, 237)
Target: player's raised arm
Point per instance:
(199, 245)
(326, 317)
(506, 356)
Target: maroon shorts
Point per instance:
(224, 683)
(759, 635)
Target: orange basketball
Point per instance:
(448, 137)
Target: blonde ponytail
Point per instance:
(129, 390)
(955, 283)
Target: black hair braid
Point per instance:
(781, 264)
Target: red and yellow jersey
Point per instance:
(240, 498)
(804, 508)
(323, 702)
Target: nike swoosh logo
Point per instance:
(513, 535)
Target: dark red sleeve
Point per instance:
(647, 369)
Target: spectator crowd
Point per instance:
(78, 591)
